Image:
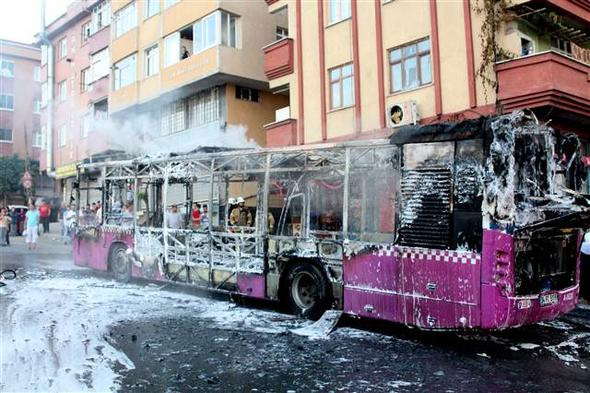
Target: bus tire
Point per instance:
(119, 263)
(307, 290)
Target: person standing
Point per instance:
(69, 220)
(205, 218)
(8, 220)
(174, 220)
(240, 215)
(196, 216)
(4, 226)
(44, 214)
(14, 222)
(98, 212)
(31, 226)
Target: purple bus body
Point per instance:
(427, 288)
(94, 252)
(436, 289)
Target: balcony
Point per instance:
(100, 89)
(278, 58)
(544, 79)
(281, 133)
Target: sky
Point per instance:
(20, 19)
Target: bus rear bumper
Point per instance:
(501, 312)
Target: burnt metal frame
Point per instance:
(240, 247)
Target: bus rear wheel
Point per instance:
(119, 263)
(307, 290)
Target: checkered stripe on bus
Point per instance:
(452, 256)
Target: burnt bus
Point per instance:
(475, 224)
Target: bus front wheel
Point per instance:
(119, 262)
(307, 291)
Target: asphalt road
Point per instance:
(67, 328)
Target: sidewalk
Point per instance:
(50, 251)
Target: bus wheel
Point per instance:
(307, 291)
(119, 262)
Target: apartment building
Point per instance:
(75, 70)
(189, 73)
(359, 69)
(20, 106)
(20, 96)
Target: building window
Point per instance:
(173, 117)
(228, 29)
(6, 68)
(101, 16)
(62, 90)
(99, 65)
(85, 80)
(101, 110)
(282, 32)
(62, 135)
(37, 74)
(339, 10)
(526, 46)
(169, 3)
(7, 102)
(217, 28)
(203, 107)
(561, 45)
(341, 86)
(152, 61)
(37, 106)
(152, 7)
(44, 94)
(194, 111)
(125, 20)
(247, 94)
(86, 31)
(172, 47)
(37, 139)
(5, 135)
(125, 72)
(409, 66)
(205, 33)
(63, 47)
(85, 125)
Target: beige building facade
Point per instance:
(359, 69)
(188, 73)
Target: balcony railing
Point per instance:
(281, 133)
(278, 58)
(544, 79)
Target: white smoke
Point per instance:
(140, 135)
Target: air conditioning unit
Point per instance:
(402, 113)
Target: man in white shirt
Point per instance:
(69, 220)
(174, 220)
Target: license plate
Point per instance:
(549, 299)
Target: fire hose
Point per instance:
(7, 274)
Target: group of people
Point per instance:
(199, 219)
(91, 213)
(9, 222)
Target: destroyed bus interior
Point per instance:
(245, 220)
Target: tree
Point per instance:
(12, 169)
